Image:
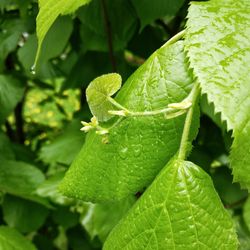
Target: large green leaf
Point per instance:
(185, 214)
(26, 216)
(10, 239)
(139, 146)
(218, 46)
(49, 10)
(11, 92)
(149, 11)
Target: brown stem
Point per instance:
(19, 122)
(109, 35)
(236, 203)
(9, 131)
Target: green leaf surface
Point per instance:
(240, 155)
(139, 146)
(48, 189)
(186, 214)
(230, 193)
(243, 233)
(11, 92)
(26, 216)
(218, 46)
(98, 92)
(149, 11)
(6, 151)
(246, 213)
(122, 24)
(19, 177)
(59, 151)
(53, 45)
(10, 36)
(100, 219)
(10, 239)
(64, 217)
(49, 10)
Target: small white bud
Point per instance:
(84, 123)
(102, 131)
(94, 121)
(86, 128)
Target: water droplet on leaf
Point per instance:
(123, 152)
(137, 150)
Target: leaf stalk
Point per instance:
(187, 125)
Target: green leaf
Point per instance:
(58, 151)
(101, 218)
(19, 177)
(6, 151)
(122, 24)
(9, 37)
(26, 216)
(53, 45)
(243, 233)
(49, 10)
(240, 155)
(139, 146)
(48, 189)
(246, 213)
(98, 92)
(10, 239)
(64, 217)
(229, 192)
(218, 46)
(11, 92)
(186, 214)
(148, 11)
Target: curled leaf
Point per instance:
(98, 92)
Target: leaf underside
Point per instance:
(139, 146)
(186, 214)
(218, 46)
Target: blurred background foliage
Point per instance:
(40, 115)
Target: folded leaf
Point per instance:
(186, 214)
(138, 146)
(98, 92)
(218, 46)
